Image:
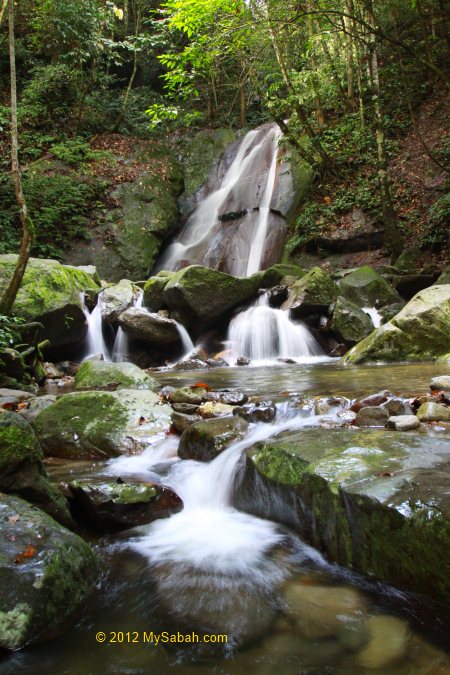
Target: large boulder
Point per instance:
(203, 295)
(373, 500)
(97, 424)
(154, 290)
(50, 294)
(360, 233)
(124, 375)
(314, 292)
(149, 327)
(350, 322)
(46, 573)
(116, 299)
(205, 440)
(420, 331)
(22, 471)
(444, 277)
(366, 288)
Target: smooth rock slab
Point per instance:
(205, 440)
(46, 573)
(403, 422)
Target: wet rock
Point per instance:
(372, 416)
(227, 397)
(46, 574)
(217, 363)
(192, 395)
(273, 275)
(243, 361)
(51, 371)
(204, 440)
(397, 406)
(258, 412)
(100, 424)
(389, 311)
(15, 394)
(34, 406)
(441, 383)
(367, 288)
(182, 421)
(185, 408)
(116, 299)
(403, 422)
(374, 399)
(22, 471)
(149, 327)
(389, 637)
(214, 409)
(190, 364)
(418, 332)
(116, 505)
(407, 285)
(322, 406)
(124, 375)
(349, 321)
(322, 611)
(277, 295)
(313, 293)
(433, 412)
(154, 291)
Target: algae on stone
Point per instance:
(365, 287)
(124, 375)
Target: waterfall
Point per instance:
(186, 342)
(228, 229)
(374, 315)
(262, 332)
(121, 348)
(95, 343)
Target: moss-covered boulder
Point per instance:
(200, 155)
(420, 331)
(154, 291)
(444, 277)
(149, 327)
(204, 295)
(314, 292)
(349, 321)
(50, 294)
(273, 275)
(97, 424)
(22, 471)
(366, 288)
(116, 299)
(375, 501)
(116, 505)
(46, 573)
(205, 440)
(124, 375)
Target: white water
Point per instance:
(374, 315)
(263, 333)
(121, 347)
(186, 342)
(95, 343)
(199, 226)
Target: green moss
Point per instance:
(154, 291)
(17, 443)
(278, 465)
(201, 154)
(365, 287)
(92, 374)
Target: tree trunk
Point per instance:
(9, 296)
(317, 100)
(242, 106)
(349, 29)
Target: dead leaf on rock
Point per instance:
(26, 554)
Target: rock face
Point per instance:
(360, 234)
(203, 295)
(50, 294)
(205, 440)
(112, 506)
(97, 424)
(350, 322)
(376, 501)
(420, 331)
(100, 374)
(149, 327)
(313, 293)
(22, 471)
(116, 299)
(365, 288)
(46, 573)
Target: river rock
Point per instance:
(273, 275)
(389, 638)
(232, 398)
(204, 440)
(419, 332)
(372, 416)
(191, 395)
(433, 412)
(350, 322)
(116, 299)
(407, 285)
(185, 408)
(50, 294)
(154, 291)
(373, 399)
(124, 375)
(100, 424)
(257, 412)
(148, 327)
(441, 383)
(212, 409)
(389, 311)
(367, 288)
(313, 293)
(116, 505)
(403, 422)
(46, 574)
(397, 406)
(22, 471)
(205, 295)
(374, 500)
(15, 394)
(182, 421)
(34, 406)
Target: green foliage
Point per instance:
(437, 233)
(9, 331)
(49, 97)
(77, 152)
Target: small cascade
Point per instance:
(374, 315)
(121, 348)
(264, 333)
(95, 342)
(186, 342)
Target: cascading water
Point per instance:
(95, 342)
(374, 315)
(121, 348)
(244, 194)
(264, 333)
(186, 342)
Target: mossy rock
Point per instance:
(366, 288)
(116, 299)
(46, 574)
(373, 500)
(206, 439)
(100, 374)
(149, 327)
(444, 277)
(50, 294)
(274, 274)
(99, 425)
(22, 471)
(314, 292)
(205, 149)
(154, 291)
(420, 331)
(204, 295)
(350, 322)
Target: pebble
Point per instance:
(403, 422)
